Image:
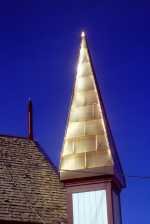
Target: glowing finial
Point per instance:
(83, 34)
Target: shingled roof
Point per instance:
(30, 189)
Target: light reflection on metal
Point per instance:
(83, 34)
(86, 144)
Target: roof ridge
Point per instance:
(41, 149)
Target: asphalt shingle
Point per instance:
(30, 189)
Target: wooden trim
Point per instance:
(93, 180)
(109, 204)
(69, 207)
(116, 191)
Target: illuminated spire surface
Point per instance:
(88, 148)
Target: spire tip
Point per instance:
(82, 34)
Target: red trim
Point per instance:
(93, 180)
(69, 207)
(119, 203)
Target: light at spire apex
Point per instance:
(83, 34)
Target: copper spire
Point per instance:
(30, 120)
(88, 148)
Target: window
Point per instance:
(90, 207)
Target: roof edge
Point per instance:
(14, 136)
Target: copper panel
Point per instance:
(84, 84)
(68, 147)
(85, 144)
(97, 159)
(94, 127)
(73, 162)
(84, 113)
(84, 69)
(75, 129)
(101, 143)
(82, 99)
(96, 110)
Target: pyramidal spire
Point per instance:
(88, 149)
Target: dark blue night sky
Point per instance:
(39, 45)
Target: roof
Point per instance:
(30, 189)
(88, 148)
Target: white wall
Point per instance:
(90, 207)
